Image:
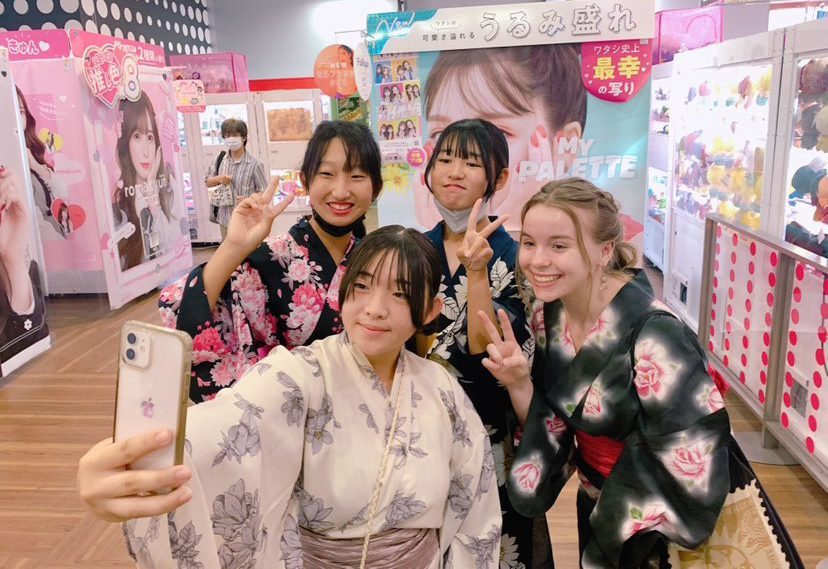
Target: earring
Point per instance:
(603, 285)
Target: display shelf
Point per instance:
(774, 319)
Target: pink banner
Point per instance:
(36, 44)
(616, 71)
(145, 54)
(58, 159)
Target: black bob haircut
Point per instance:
(468, 137)
(418, 267)
(361, 151)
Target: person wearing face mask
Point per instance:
(469, 165)
(256, 293)
(234, 174)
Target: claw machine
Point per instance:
(723, 104)
(286, 120)
(204, 146)
(800, 215)
(658, 167)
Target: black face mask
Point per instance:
(338, 230)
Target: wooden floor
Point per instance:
(57, 406)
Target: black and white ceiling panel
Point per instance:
(180, 26)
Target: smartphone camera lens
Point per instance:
(130, 354)
(131, 338)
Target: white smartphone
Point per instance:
(152, 389)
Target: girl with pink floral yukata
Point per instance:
(619, 390)
(256, 292)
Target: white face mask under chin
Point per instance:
(458, 221)
(233, 143)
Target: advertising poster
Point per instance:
(24, 332)
(132, 123)
(52, 115)
(567, 82)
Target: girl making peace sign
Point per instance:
(477, 256)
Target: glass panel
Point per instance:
(657, 194)
(289, 120)
(660, 105)
(182, 136)
(210, 121)
(806, 208)
(721, 134)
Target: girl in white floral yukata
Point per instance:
(619, 388)
(256, 293)
(315, 449)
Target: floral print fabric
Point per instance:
(289, 447)
(285, 294)
(648, 389)
(491, 400)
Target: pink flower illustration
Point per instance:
(537, 323)
(711, 398)
(229, 369)
(555, 427)
(653, 371)
(528, 475)
(168, 317)
(280, 248)
(592, 405)
(208, 346)
(646, 519)
(308, 297)
(299, 270)
(252, 294)
(691, 463)
(172, 294)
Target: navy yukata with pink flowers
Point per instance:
(286, 293)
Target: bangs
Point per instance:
(143, 124)
(461, 143)
(382, 261)
(353, 152)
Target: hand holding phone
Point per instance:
(153, 383)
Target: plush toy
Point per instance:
(763, 89)
(746, 92)
(821, 124)
(811, 181)
(749, 219)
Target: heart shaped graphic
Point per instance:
(44, 46)
(103, 73)
(62, 98)
(77, 215)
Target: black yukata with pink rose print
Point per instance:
(643, 384)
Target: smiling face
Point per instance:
(551, 259)
(340, 196)
(142, 147)
(376, 314)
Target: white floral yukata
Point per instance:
(298, 443)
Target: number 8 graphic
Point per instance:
(131, 86)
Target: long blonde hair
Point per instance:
(571, 194)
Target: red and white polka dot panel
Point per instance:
(804, 393)
(742, 299)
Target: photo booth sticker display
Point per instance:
(144, 232)
(53, 106)
(24, 331)
(568, 85)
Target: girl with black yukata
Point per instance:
(477, 256)
(256, 292)
(350, 452)
(619, 387)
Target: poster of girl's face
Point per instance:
(23, 327)
(148, 217)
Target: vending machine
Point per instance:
(723, 104)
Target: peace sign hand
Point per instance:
(475, 252)
(506, 361)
